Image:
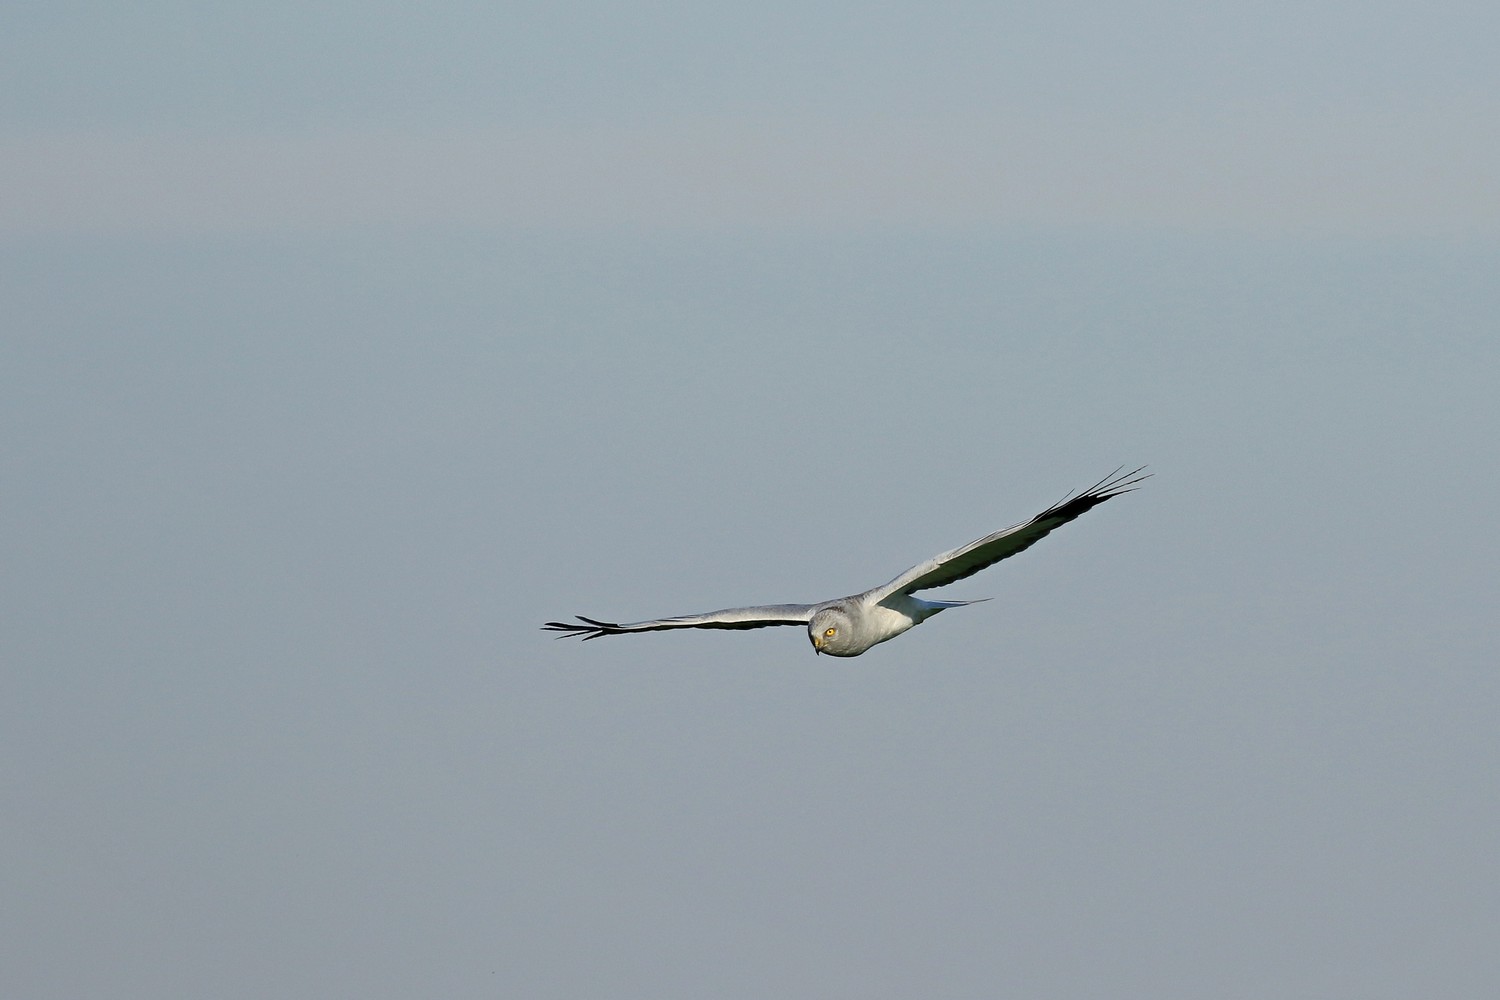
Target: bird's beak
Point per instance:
(817, 642)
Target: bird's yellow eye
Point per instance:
(832, 631)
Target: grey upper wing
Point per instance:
(966, 560)
(757, 617)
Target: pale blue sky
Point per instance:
(346, 344)
(1284, 118)
(311, 65)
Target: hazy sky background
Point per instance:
(344, 344)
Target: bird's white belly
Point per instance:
(880, 622)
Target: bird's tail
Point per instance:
(940, 605)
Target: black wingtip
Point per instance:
(1116, 483)
(1112, 485)
(591, 629)
(566, 629)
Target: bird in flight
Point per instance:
(847, 626)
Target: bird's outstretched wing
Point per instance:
(758, 617)
(966, 560)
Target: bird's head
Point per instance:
(832, 631)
